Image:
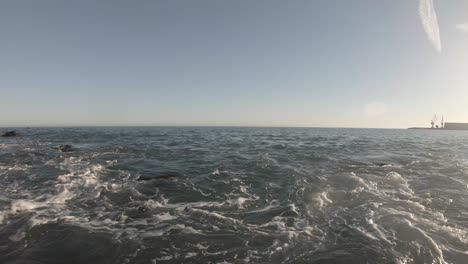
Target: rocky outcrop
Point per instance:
(11, 134)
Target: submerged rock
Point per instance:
(64, 148)
(11, 134)
(384, 164)
(159, 175)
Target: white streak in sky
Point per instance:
(463, 28)
(430, 23)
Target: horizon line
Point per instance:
(189, 126)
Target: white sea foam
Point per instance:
(52, 206)
(322, 199)
(395, 179)
(18, 236)
(201, 246)
(178, 227)
(165, 217)
(214, 215)
(16, 167)
(412, 232)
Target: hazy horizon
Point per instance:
(356, 64)
(191, 126)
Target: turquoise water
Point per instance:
(234, 195)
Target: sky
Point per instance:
(307, 63)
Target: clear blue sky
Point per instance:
(359, 63)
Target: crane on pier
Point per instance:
(433, 121)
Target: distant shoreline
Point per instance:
(175, 126)
(446, 129)
(189, 126)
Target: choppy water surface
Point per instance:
(234, 195)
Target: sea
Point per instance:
(233, 195)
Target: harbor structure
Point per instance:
(444, 125)
(456, 126)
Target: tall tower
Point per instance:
(442, 122)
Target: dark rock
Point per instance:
(64, 148)
(384, 164)
(11, 134)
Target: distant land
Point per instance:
(446, 126)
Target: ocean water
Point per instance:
(234, 195)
